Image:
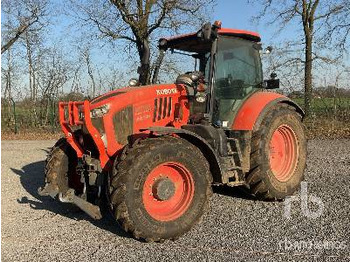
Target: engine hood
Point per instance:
(128, 94)
(102, 98)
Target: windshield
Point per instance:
(238, 61)
(237, 74)
(177, 62)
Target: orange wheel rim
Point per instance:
(168, 191)
(283, 153)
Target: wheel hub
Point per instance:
(168, 191)
(163, 189)
(283, 153)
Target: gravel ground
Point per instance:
(236, 228)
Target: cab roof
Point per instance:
(191, 43)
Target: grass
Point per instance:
(326, 106)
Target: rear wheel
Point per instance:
(278, 154)
(160, 188)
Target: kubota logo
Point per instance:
(166, 91)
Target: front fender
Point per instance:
(207, 150)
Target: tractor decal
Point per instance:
(166, 91)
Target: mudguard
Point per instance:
(252, 111)
(207, 150)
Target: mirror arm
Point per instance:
(158, 63)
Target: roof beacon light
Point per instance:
(218, 24)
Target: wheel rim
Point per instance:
(168, 191)
(283, 152)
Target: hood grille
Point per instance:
(162, 108)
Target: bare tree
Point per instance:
(76, 81)
(27, 13)
(31, 72)
(25, 21)
(136, 21)
(34, 45)
(338, 33)
(311, 15)
(7, 83)
(85, 53)
(113, 78)
(54, 73)
(7, 77)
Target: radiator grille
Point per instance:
(162, 108)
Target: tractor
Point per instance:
(152, 153)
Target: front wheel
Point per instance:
(278, 154)
(61, 168)
(160, 188)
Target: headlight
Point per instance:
(99, 111)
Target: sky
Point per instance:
(232, 13)
(238, 14)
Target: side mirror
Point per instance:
(272, 83)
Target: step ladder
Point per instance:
(233, 173)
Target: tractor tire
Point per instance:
(160, 188)
(278, 154)
(60, 168)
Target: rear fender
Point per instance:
(253, 110)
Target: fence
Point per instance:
(26, 115)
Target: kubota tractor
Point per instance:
(152, 153)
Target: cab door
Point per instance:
(238, 74)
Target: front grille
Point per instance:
(162, 108)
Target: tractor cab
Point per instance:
(229, 67)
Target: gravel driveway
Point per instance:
(236, 228)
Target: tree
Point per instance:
(338, 25)
(25, 22)
(85, 53)
(113, 78)
(137, 21)
(27, 13)
(54, 73)
(311, 15)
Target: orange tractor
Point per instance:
(152, 153)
